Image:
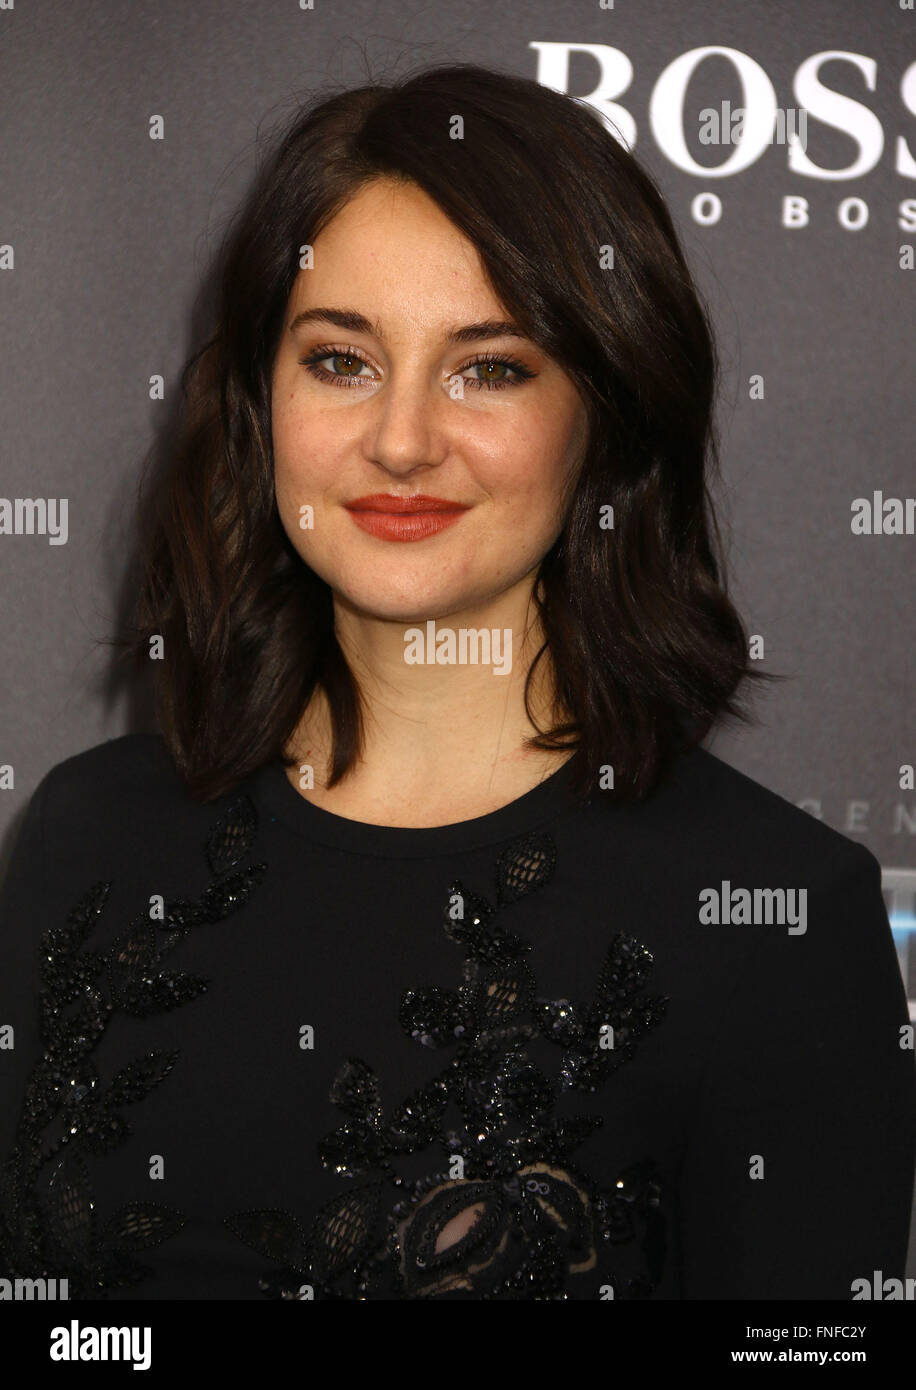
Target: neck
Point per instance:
(444, 718)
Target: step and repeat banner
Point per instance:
(783, 136)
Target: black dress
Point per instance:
(251, 1048)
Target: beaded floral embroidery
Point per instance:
(48, 1225)
(537, 1219)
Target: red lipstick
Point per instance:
(404, 518)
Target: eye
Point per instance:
(492, 362)
(497, 360)
(328, 354)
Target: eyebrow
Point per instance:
(358, 323)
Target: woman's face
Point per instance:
(395, 406)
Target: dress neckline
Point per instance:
(550, 798)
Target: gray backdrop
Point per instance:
(106, 236)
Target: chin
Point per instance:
(398, 607)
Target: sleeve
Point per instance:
(23, 919)
(810, 1088)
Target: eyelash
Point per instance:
(323, 352)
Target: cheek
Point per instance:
(303, 458)
(288, 503)
(287, 430)
(536, 491)
(294, 484)
(528, 477)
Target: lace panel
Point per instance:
(48, 1223)
(506, 1213)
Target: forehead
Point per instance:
(386, 207)
(393, 254)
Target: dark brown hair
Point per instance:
(647, 649)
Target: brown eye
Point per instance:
(493, 364)
(492, 371)
(350, 358)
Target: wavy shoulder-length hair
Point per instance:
(647, 650)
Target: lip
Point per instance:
(414, 518)
(390, 505)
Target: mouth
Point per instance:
(404, 518)
(391, 505)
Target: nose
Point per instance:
(405, 424)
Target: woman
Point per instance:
(425, 953)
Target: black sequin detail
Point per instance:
(539, 1219)
(48, 1218)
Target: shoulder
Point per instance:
(117, 777)
(797, 911)
(121, 802)
(130, 753)
(119, 812)
(727, 817)
(817, 932)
